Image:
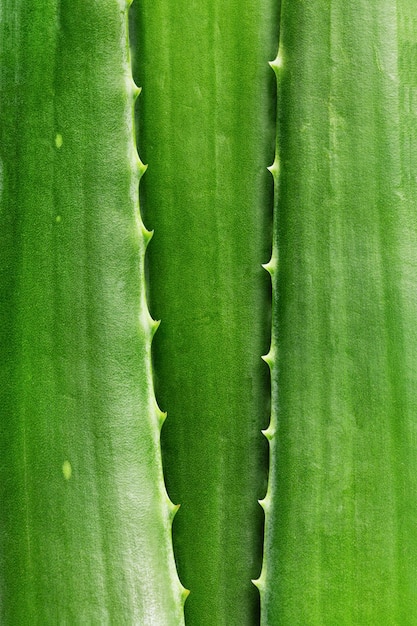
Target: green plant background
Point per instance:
(85, 519)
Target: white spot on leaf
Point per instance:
(58, 140)
(67, 470)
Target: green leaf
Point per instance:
(207, 128)
(85, 521)
(341, 508)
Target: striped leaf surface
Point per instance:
(85, 522)
(207, 129)
(341, 508)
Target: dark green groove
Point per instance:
(207, 125)
(341, 508)
(85, 522)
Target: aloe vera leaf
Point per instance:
(207, 129)
(341, 507)
(85, 522)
